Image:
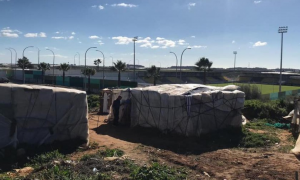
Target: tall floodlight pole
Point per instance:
(176, 62)
(181, 60)
(24, 62)
(38, 55)
(10, 57)
(85, 66)
(79, 57)
(52, 65)
(102, 69)
(281, 30)
(235, 53)
(16, 57)
(134, 40)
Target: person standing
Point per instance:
(116, 108)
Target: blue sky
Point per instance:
(212, 28)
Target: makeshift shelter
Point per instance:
(39, 114)
(188, 109)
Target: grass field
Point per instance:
(265, 89)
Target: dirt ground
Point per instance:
(147, 145)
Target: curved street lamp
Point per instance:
(10, 57)
(24, 63)
(16, 57)
(181, 60)
(85, 65)
(176, 62)
(103, 68)
(52, 65)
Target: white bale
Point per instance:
(43, 114)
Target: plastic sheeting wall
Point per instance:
(190, 109)
(40, 114)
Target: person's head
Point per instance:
(119, 97)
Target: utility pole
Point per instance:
(234, 52)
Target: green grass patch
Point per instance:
(264, 88)
(157, 171)
(252, 140)
(285, 148)
(112, 153)
(44, 158)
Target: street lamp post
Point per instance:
(85, 65)
(74, 58)
(52, 65)
(235, 53)
(38, 55)
(79, 57)
(281, 30)
(176, 62)
(24, 63)
(103, 68)
(134, 40)
(16, 57)
(181, 61)
(10, 57)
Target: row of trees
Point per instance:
(203, 64)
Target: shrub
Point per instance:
(251, 91)
(265, 110)
(93, 101)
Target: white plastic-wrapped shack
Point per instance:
(187, 109)
(40, 115)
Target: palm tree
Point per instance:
(24, 63)
(119, 66)
(203, 65)
(89, 72)
(44, 67)
(154, 72)
(64, 67)
(97, 62)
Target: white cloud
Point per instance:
(57, 32)
(124, 5)
(257, 2)
(191, 5)
(73, 33)
(59, 37)
(233, 42)
(259, 43)
(42, 34)
(182, 42)
(101, 7)
(94, 37)
(71, 37)
(99, 42)
(7, 32)
(193, 36)
(34, 35)
(94, 6)
(165, 43)
(31, 35)
(122, 40)
(79, 42)
(197, 47)
(155, 47)
(56, 55)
